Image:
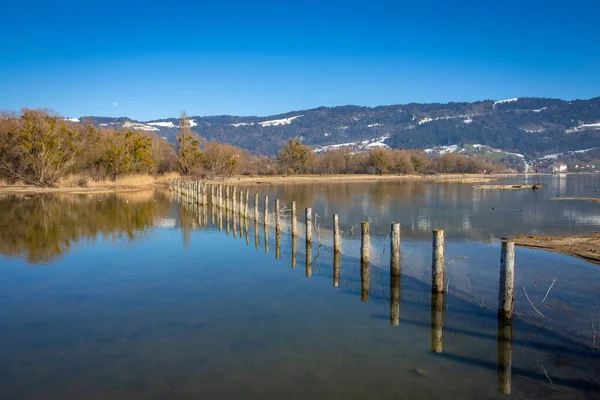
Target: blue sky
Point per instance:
(151, 59)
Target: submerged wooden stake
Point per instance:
(266, 216)
(395, 250)
(277, 217)
(365, 243)
(437, 265)
(506, 290)
(337, 238)
(294, 222)
(505, 350)
(256, 206)
(308, 221)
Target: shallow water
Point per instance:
(141, 296)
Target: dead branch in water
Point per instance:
(529, 300)
(553, 282)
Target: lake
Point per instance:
(143, 295)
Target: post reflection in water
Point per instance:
(395, 300)
(266, 232)
(234, 218)
(220, 216)
(308, 260)
(277, 244)
(294, 251)
(365, 281)
(256, 235)
(505, 348)
(437, 322)
(336, 268)
(246, 232)
(227, 222)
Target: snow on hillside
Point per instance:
(467, 120)
(374, 125)
(283, 121)
(506, 101)
(71, 119)
(273, 122)
(357, 146)
(163, 124)
(139, 126)
(193, 123)
(566, 154)
(584, 127)
(540, 109)
(442, 149)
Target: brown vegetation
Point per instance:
(39, 149)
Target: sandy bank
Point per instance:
(585, 246)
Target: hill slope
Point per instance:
(533, 127)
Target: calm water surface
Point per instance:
(143, 296)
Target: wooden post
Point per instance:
(205, 194)
(308, 220)
(266, 216)
(395, 300)
(365, 244)
(277, 217)
(336, 268)
(246, 205)
(220, 195)
(437, 322)
(242, 203)
(395, 250)
(234, 200)
(256, 206)
(505, 350)
(227, 198)
(437, 265)
(337, 238)
(212, 195)
(506, 290)
(294, 222)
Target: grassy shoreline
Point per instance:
(147, 182)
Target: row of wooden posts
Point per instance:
(231, 199)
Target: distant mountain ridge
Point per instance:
(530, 126)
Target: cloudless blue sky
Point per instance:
(153, 59)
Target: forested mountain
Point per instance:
(531, 126)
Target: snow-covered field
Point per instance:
(273, 122)
(168, 124)
(584, 127)
(357, 146)
(506, 101)
(442, 149)
(139, 126)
